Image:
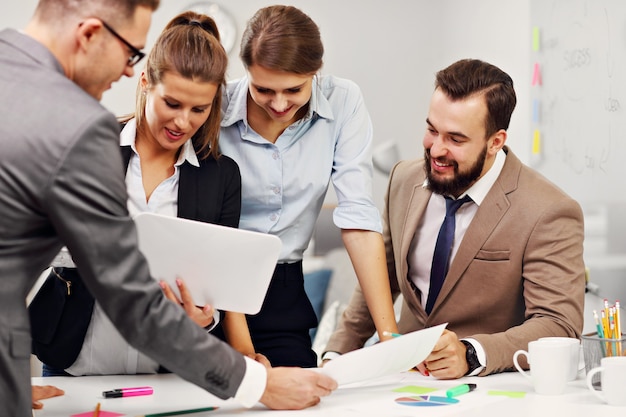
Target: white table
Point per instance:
(375, 398)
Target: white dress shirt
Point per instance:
(420, 256)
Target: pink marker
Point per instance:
(127, 392)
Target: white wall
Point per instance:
(391, 49)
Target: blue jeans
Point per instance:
(50, 371)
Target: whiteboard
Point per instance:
(579, 106)
(578, 100)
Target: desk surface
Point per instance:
(375, 398)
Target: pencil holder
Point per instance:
(595, 348)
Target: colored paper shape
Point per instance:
(536, 111)
(536, 39)
(413, 389)
(536, 75)
(425, 401)
(510, 394)
(536, 142)
(102, 414)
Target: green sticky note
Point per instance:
(535, 39)
(413, 389)
(510, 394)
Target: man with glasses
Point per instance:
(61, 183)
(135, 54)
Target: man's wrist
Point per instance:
(471, 357)
(252, 385)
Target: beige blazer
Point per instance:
(518, 274)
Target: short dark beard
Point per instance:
(461, 181)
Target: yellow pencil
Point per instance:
(96, 412)
(618, 328)
(607, 335)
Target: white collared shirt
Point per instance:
(420, 256)
(164, 198)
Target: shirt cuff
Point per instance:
(252, 385)
(216, 321)
(480, 354)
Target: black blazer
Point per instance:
(209, 193)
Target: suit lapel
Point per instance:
(413, 209)
(416, 205)
(188, 192)
(126, 152)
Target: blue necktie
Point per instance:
(443, 249)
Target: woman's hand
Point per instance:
(202, 316)
(261, 358)
(41, 392)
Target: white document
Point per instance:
(228, 268)
(396, 355)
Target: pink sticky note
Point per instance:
(536, 75)
(102, 414)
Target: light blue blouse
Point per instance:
(284, 183)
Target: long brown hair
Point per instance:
(189, 45)
(282, 38)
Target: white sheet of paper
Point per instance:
(396, 355)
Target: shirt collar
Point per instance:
(129, 133)
(481, 188)
(237, 108)
(319, 104)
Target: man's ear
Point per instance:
(87, 31)
(497, 141)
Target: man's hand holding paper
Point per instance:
(396, 355)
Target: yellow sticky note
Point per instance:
(536, 39)
(536, 142)
(413, 389)
(510, 394)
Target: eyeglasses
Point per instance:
(136, 56)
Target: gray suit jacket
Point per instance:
(518, 274)
(62, 182)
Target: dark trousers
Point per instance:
(280, 331)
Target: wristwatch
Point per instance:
(471, 357)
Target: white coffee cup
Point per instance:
(549, 365)
(574, 355)
(613, 380)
